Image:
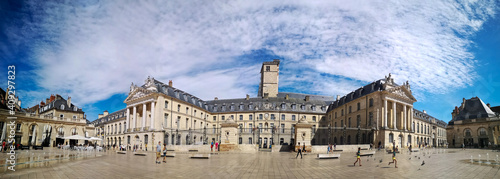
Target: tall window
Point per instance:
(349, 124)
(293, 117)
(165, 120)
(241, 117)
(282, 128)
(371, 102)
(342, 112)
(166, 104)
(250, 117)
(260, 117)
(370, 118)
(282, 117)
(223, 118)
(178, 122)
(358, 121)
(359, 106)
(272, 117)
(341, 123)
(350, 107)
(215, 118)
(314, 118)
(268, 68)
(482, 132)
(187, 122)
(179, 108)
(187, 110)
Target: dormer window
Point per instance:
(283, 106)
(75, 108)
(303, 107)
(62, 106)
(241, 106)
(294, 106)
(313, 108)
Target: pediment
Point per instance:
(402, 92)
(136, 94)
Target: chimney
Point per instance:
(287, 97)
(105, 113)
(307, 98)
(248, 97)
(69, 101)
(52, 97)
(47, 101)
(215, 99)
(42, 103)
(170, 83)
(489, 106)
(338, 97)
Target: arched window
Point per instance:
(62, 106)
(467, 133)
(482, 131)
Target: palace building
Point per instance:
(474, 124)
(381, 112)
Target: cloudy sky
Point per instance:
(93, 50)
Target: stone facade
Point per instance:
(47, 123)
(474, 124)
(380, 113)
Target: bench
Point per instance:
(169, 155)
(37, 147)
(337, 150)
(140, 154)
(200, 156)
(364, 148)
(171, 150)
(367, 154)
(24, 147)
(121, 152)
(390, 151)
(328, 156)
(415, 150)
(193, 150)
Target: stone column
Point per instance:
(404, 117)
(143, 116)
(411, 118)
(128, 118)
(135, 118)
(394, 117)
(152, 121)
(385, 113)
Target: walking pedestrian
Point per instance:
(358, 154)
(158, 153)
(394, 159)
(164, 153)
(299, 151)
(212, 146)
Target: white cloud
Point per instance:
(95, 50)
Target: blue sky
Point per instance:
(93, 50)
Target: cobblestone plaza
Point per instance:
(439, 163)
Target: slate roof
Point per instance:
(58, 104)
(424, 116)
(112, 116)
(472, 109)
(495, 109)
(360, 92)
(316, 103)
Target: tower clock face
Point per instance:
(266, 115)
